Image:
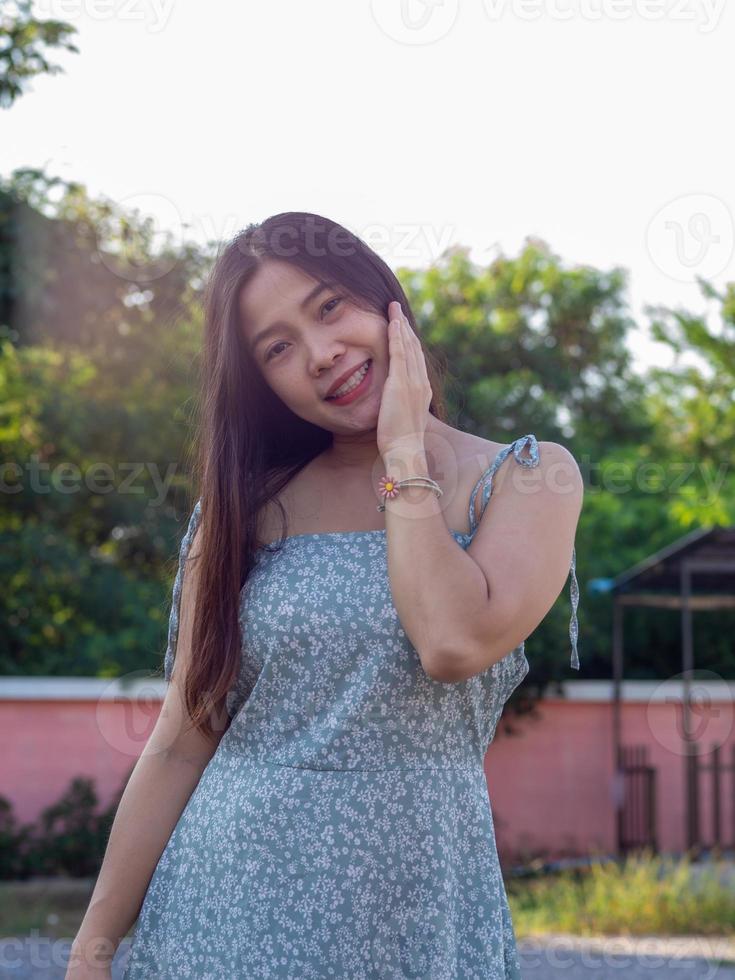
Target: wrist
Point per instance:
(404, 463)
(93, 952)
(408, 459)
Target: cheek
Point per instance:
(291, 385)
(375, 334)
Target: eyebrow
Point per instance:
(262, 334)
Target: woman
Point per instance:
(312, 802)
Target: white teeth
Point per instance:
(352, 382)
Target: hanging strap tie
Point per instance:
(517, 447)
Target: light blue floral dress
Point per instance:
(343, 827)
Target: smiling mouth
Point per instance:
(356, 387)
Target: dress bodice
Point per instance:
(329, 678)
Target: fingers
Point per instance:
(396, 350)
(403, 343)
(411, 346)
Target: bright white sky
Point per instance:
(601, 126)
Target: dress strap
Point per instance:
(487, 477)
(486, 482)
(573, 624)
(173, 622)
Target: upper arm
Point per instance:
(174, 731)
(524, 545)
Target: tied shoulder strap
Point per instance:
(173, 621)
(573, 624)
(486, 481)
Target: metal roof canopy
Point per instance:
(693, 573)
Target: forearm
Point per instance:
(437, 588)
(151, 804)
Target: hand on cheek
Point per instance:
(406, 395)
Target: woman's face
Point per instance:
(312, 339)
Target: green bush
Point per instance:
(69, 838)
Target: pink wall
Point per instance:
(551, 785)
(47, 742)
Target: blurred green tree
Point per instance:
(24, 42)
(98, 366)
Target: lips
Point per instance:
(348, 374)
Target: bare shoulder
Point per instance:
(478, 453)
(557, 478)
(557, 455)
(472, 456)
(474, 453)
(561, 476)
(557, 471)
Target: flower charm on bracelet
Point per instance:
(387, 487)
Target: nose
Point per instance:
(322, 361)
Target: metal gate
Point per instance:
(637, 814)
(721, 832)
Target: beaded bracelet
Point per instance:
(389, 487)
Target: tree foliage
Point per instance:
(97, 381)
(25, 43)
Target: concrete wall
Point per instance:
(551, 785)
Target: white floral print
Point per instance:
(343, 827)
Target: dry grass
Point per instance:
(643, 895)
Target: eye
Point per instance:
(270, 353)
(335, 299)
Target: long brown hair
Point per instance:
(248, 444)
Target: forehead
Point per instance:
(275, 290)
